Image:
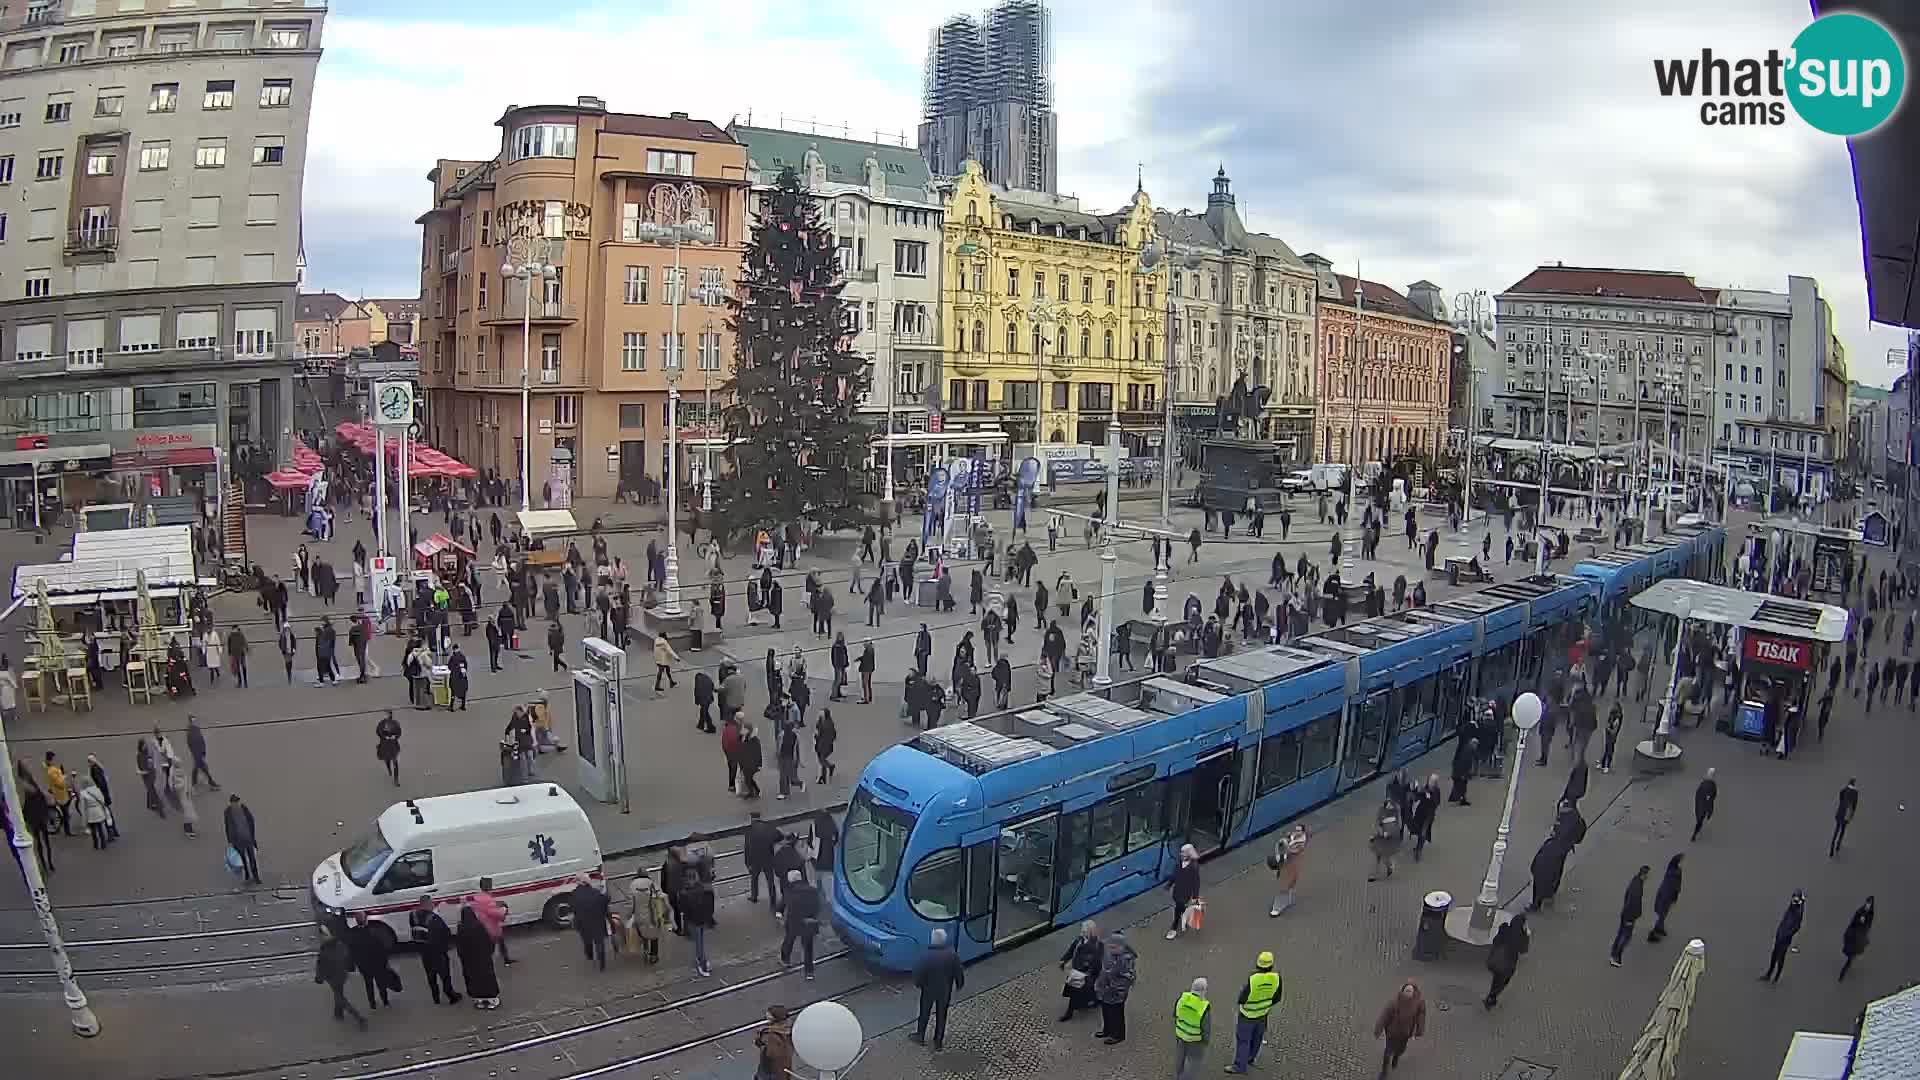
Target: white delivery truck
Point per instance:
(1329, 478)
(532, 840)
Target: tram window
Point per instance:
(875, 841)
(1414, 703)
(1107, 834)
(1279, 761)
(1145, 828)
(1318, 742)
(1122, 781)
(934, 886)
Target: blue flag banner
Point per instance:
(932, 519)
(1023, 490)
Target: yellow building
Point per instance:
(1049, 320)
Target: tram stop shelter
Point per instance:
(1781, 644)
(1829, 552)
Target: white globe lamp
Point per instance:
(1526, 711)
(827, 1036)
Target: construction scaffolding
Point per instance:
(988, 95)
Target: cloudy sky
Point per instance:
(1462, 141)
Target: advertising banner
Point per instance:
(1023, 490)
(933, 520)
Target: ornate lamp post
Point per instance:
(1526, 716)
(1151, 255)
(530, 261)
(689, 225)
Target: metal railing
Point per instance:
(513, 309)
(90, 238)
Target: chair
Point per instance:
(33, 688)
(139, 690)
(79, 689)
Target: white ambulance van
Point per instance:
(532, 840)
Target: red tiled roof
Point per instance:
(325, 307)
(1599, 281)
(1380, 299)
(666, 127)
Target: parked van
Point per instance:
(532, 840)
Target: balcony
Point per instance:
(866, 275)
(549, 376)
(92, 240)
(449, 262)
(508, 311)
(924, 338)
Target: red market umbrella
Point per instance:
(288, 479)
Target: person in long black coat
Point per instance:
(703, 695)
(1081, 960)
(1632, 906)
(1569, 826)
(1784, 934)
(1853, 941)
(475, 947)
(1576, 782)
(433, 937)
(1510, 943)
(1667, 895)
(370, 959)
(1548, 864)
(1464, 756)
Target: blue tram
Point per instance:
(1003, 828)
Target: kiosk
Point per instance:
(1827, 552)
(1782, 644)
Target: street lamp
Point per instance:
(1150, 256)
(699, 231)
(534, 266)
(827, 1036)
(1526, 715)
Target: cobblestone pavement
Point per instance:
(302, 755)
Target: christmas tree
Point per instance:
(796, 446)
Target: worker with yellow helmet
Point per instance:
(1192, 1025)
(1257, 999)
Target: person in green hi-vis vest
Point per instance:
(1257, 999)
(1192, 1025)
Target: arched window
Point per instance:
(1107, 345)
(1013, 338)
(979, 336)
(1149, 353)
(1058, 436)
(1136, 346)
(973, 209)
(1039, 343)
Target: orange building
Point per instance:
(573, 188)
(1394, 399)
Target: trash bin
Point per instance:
(1430, 943)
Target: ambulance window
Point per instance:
(414, 870)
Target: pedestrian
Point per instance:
(1257, 998)
(333, 962)
(1185, 887)
(98, 774)
(1853, 941)
(197, 748)
(867, 664)
(1425, 807)
(1510, 943)
(801, 907)
(1286, 863)
(1464, 756)
(591, 917)
(1549, 863)
(1576, 788)
(9, 691)
(59, 793)
(1192, 1027)
(433, 937)
(243, 837)
(1081, 962)
(370, 959)
(493, 917)
(647, 915)
(288, 645)
(494, 641)
(776, 1045)
(1843, 814)
(696, 909)
(938, 974)
(474, 943)
(93, 810)
(1118, 970)
(1784, 934)
(1667, 895)
(1615, 717)
(1632, 905)
(825, 733)
(826, 837)
(787, 758)
(182, 798)
(237, 655)
(1388, 834)
(1704, 796)
(757, 847)
(386, 747)
(1403, 1020)
(752, 757)
(147, 762)
(556, 644)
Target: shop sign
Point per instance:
(162, 438)
(1779, 652)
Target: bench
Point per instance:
(1461, 566)
(1589, 536)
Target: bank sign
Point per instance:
(1779, 652)
(1845, 74)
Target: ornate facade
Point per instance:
(1052, 328)
(1385, 370)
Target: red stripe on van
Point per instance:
(536, 886)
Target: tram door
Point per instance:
(1366, 742)
(1204, 817)
(1024, 878)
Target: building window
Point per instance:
(287, 37)
(276, 93)
(1061, 291)
(636, 285)
(566, 410)
(712, 285)
(1039, 341)
(110, 102)
(59, 107)
(99, 163)
(10, 112)
(1107, 346)
(549, 354)
(910, 257)
(553, 220)
(1086, 290)
(1086, 342)
(164, 97)
(710, 351)
(1013, 281)
(153, 156)
(219, 95)
(1013, 338)
(210, 154)
(258, 342)
(39, 283)
(543, 140)
(1109, 292)
(269, 149)
(633, 417)
(670, 162)
(50, 166)
(979, 336)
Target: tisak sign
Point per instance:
(1779, 652)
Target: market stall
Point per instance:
(541, 526)
(442, 556)
(1827, 554)
(1781, 646)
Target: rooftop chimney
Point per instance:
(677, 116)
(588, 101)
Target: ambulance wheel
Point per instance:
(558, 913)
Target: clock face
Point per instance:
(396, 403)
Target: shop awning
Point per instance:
(1769, 614)
(439, 542)
(54, 456)
(289, 479)
(538, 524)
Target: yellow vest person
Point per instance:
(1257, 999)
(1192, 1024)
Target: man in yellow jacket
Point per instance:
(1257, 999)
(1192, 1026)
(59, 794)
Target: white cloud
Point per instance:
(1464, 142)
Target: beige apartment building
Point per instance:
(574, 187)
